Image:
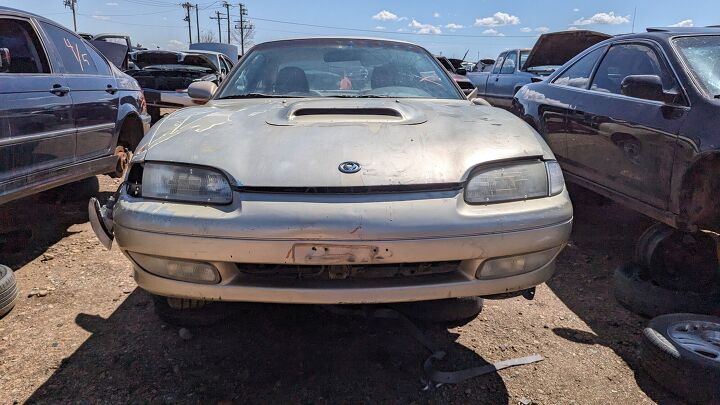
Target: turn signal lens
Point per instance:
(182, 270)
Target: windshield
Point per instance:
(338, 68)
(702, 54)
(523, 57)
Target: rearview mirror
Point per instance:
(461, 71)
(647, 87)
(4, 60)
(202, 91)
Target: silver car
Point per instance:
(392, 188)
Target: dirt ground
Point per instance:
(83, 333)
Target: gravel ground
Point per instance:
(82, 332)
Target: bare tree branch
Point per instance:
(207, 36)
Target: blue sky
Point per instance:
(482, 27)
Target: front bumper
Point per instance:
(290, 230)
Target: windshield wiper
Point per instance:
(361, 96)
(253, 95)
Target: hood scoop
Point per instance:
(347, 112)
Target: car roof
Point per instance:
(668, 32)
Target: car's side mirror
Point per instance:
(4, 60)
(461, 71)
(202, 91)
(647, 87)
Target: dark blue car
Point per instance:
(66, 113)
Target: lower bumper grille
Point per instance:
(342, 272)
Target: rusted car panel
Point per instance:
(654, 154)
(362, 195)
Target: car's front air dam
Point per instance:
(223, 253)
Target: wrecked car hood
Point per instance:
(149, 58)
(302, 142)
(556, 48)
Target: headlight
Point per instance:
(185, 183)
(514, 181)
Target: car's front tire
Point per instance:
(452, 312)
(189, 313)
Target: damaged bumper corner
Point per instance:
(101, 222)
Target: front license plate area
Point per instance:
(319, 254)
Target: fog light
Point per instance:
(182, 270)
(514, 265)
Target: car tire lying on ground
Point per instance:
(643, 297)
(451, 312)
(8, 290)
(682, 353)
(189, 313)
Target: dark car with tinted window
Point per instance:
(636, 118)
(66, 113)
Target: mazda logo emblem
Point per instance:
(349, 167)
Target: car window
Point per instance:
(702, 54)
(102, 66)
(498, 63)
(26, 52)
(578, 75)
(523, 57)
(629, 59)
(74, 55)
(229, 62)
(508, 65)
(224, 65)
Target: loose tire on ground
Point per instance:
(643, 297)
(682, 353)
(451, 312)
(8, 290)
(189, 313)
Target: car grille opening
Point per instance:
(342, 272)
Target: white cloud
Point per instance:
(573, 28)
(111, 4)
(525, 29)
(436, 14)
(380, 28)
(175, 44)
(542, 30)
(576, 10)
(603, 18)
(684, 23)
(400, 30)
(497, 19)
(453, 26)
(386, 16)
(421, 28)
(494, 32)
(101, 17)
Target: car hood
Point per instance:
(302, 142)
(148, 58)
(556, 48)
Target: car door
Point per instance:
(37, 132)
(489, 95)
(623, 143)
(94, 92)
(503, 84)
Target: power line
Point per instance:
(387, 32)
(218, 18)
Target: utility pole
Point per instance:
(218, 18)
(243, 13)
(227, 7)
(72, 4)
(187, 6)
(197, 22)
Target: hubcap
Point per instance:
(700, 337)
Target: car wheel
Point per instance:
(682, 353)
(635, 291)
(123, 156)
(451, 312)
(189, 313)
(8, 290)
